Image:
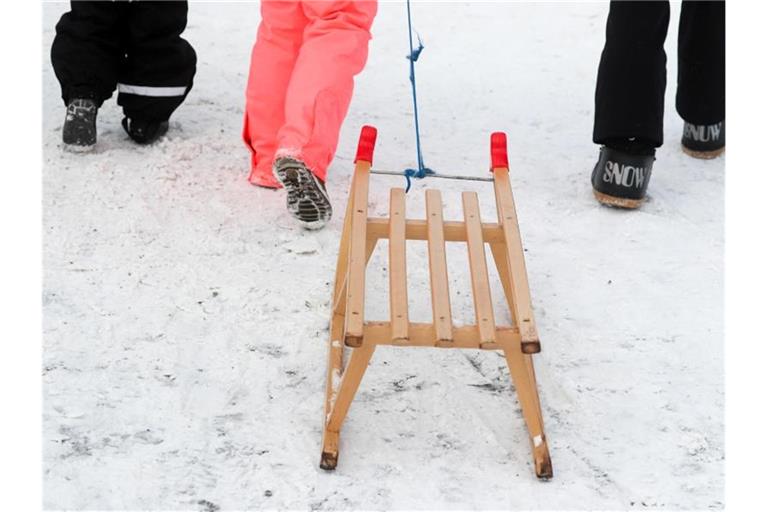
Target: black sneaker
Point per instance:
(306, 198)
(144, 132)
(79, 132)
(621, 175)
(704, 140)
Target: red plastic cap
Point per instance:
(499, 151)
(366, 144)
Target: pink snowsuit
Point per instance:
(301, 80)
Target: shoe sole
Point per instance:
(281, 176)
(78, 148)
(617, 202)
(703, 155)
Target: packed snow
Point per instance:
(185, 313)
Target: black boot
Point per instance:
(704, 140)
(79, 132)
(144, 132)
(623, 170)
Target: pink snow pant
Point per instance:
(301, 80)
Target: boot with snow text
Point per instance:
(704, 140)
(620, 177)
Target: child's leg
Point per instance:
(157, 74)
(632, 76)
(334, 50)
(701, 63)
(272, 61)
(88, 49)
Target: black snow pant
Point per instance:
(134, 46)
(629, 98)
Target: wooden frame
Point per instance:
(348, 326)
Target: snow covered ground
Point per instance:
(185, 314)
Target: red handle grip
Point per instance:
(366, 144)
(499, 150)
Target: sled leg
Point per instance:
(335, 364)
(499, 257)
(336, 361)
(348, 284)
(343, 388)
(522, 377)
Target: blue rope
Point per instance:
(422, 170)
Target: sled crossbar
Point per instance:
(435, 175)
(417, 230)
(360, 234)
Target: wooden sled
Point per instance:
(349, 327)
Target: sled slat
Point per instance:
(518, 277)
(438, 269)
(478, 269)
(353, 331)
(398, 294)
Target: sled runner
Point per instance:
(349, 327)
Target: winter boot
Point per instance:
(79, 132)
(623, 170)
(144, 132)
(306, 198)
(704, 140)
